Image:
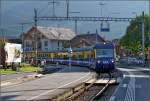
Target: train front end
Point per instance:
(105, 57)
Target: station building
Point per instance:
(46, 39)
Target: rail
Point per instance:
(76, 92)
(73, 92)
(101, 91)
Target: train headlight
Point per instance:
(112, 61)
(98, 61)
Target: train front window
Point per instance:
(104, 53)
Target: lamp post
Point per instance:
(70, 55)
(35, 37)
(58, 48)
(22, 39)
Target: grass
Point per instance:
(8, 71)
(29, 68)
(25, 68)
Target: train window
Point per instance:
(104, 52)
(65, 56)
(81, 56)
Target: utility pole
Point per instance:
(67, 3)
(35, 18)
(22, 38)
(0, 12)
(96, 36)
(76, 30)
(53, 5)
(35, 36)
(101, 14)
(143, 39)
(0, 46)
(149, 40)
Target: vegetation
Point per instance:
(2, 42)
(7, 71)
(26, 68)
(132, 40)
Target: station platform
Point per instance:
(50, 85)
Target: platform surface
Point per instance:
(44, 88)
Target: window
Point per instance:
(46, 43)
(39, 45)
(28, 44)
(104, 52)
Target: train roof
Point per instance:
(96, 46)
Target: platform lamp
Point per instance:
(70, 55)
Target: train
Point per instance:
(99, 57)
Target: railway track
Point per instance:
(93, 93)
(97, 96)
(84, 92)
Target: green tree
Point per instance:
(132, 40)
(2, 43)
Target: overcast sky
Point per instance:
(14, 12)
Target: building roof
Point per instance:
(88, 39)
(56, 33)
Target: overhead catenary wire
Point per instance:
(74, 0)
(69, 0)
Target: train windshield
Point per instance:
(104, 53)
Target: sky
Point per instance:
(15, 12)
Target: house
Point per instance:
(46, 39)
(85, 40)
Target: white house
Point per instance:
(46, 39)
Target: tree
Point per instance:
(2, 52)
(2, 43)
(132, 40)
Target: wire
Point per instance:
(76, 0)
